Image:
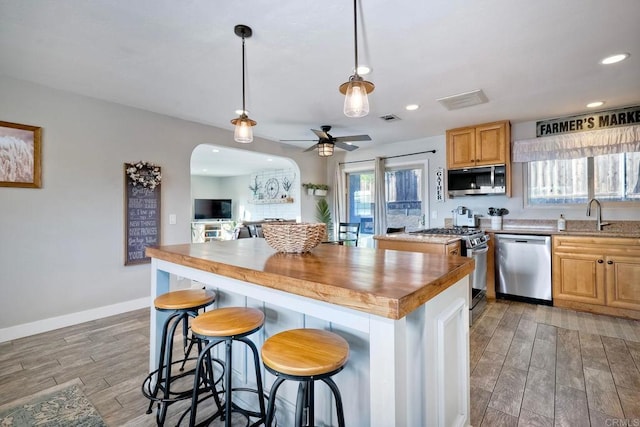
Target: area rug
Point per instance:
(58, 406)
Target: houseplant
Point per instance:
(321, 189)
(323, 214)
(310, 188)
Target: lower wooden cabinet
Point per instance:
(623, 281)
(599, 274)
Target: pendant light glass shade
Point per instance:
(243, 132)
(356, 90)
(356, 101)
(325, 149)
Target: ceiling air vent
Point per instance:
(390, 118)
(463, 100)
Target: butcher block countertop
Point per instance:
(382, 282)
(438, 239)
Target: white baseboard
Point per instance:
(46, 325)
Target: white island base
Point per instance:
(410, 372)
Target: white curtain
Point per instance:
(576, 145)
(380, 214)
(339, 199)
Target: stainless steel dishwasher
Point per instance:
(523, 265)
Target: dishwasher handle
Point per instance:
(530, 240)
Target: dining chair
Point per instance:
(348, 233)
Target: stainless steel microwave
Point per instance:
(477, 181)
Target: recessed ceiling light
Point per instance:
(204, 170)
(363, 70)
(269, 160)
(215, 150)
(595, 104)
(614, 58)
(412, 107)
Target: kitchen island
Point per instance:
(404, 314)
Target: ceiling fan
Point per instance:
(326, 138)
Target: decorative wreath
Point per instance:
(145, 174)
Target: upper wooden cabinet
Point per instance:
(480, 145)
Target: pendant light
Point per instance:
(243, 124)
(356, 101)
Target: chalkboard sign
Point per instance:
(142, 214)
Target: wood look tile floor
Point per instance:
(530, 366)
(535, 365)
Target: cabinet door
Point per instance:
(579, 278)
(461, 148)
(623, 281)
(491, 144)
(453, 248)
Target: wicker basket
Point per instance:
(294, 238)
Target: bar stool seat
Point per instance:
(186, 299)
(305, 355)
(225, 325)
(157, 387)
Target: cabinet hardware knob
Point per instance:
(609, 262)
(600, 261)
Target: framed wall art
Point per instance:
(141, 209)
(20, 155)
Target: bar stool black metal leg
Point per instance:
(260, 389)
(227, 383)
(204, 354)
(272, 401)
(163, 350)
(338, 398)
(311, 415)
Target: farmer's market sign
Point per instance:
(585, 122)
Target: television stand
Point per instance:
(209, 230)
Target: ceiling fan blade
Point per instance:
(313, 147)
(321, 134)
(353, 138)
(344, 146)
(298, 140)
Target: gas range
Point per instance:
(472, 237)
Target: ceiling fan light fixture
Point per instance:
(356, 90)
(325, 149)
(243, 132)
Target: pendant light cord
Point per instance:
(244, 110)
(355, 32)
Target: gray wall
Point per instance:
(62, 246)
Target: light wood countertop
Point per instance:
(382, 282)
(418, 238)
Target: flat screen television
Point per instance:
(212, 209)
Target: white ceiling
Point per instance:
(534, 60)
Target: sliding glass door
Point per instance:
(404, 191)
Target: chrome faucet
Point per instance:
(599, 223)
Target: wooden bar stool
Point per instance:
(305, 355)
(225, 325)
(183, 304)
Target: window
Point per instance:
(403, 189)
(612, 177)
